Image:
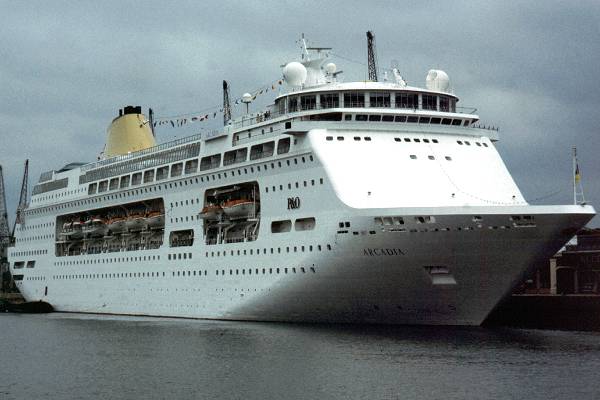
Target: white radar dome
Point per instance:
(437, 80)
(294, 73)
(330, 68)
(246, 98)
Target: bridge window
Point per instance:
(331, 100)
(379, 100)
(354, 99)
(308, 102)
(374, 117)
(293, 104)
(176, 169)
(429, 102)
(407, 100)
(444, 103)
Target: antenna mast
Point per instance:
(22, 199)
(4, 226)
(226, 104)
(371, 56)
(578, 197)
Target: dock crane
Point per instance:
(20, 217)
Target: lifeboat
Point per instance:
(117, 224)
(240, 208)
(76, 230)
(136, 221)
(155, 219)
(95, 226)
(210, 211)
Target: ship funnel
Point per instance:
(130, 131)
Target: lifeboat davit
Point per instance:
(210, 211)
(240, 208)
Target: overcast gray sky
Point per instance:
(530, 67)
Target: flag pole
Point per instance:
(574, 175)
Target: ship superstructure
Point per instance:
(342, 202)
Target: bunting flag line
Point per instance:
(182, 120)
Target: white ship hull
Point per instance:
(378, 222)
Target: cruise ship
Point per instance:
(344, 202)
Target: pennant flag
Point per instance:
(214, 115)
(173, 123)
(577, 174)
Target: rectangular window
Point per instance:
(379, 100)
(149, 176)
(31, 264)
(124, 181)
(375, 118)
(92, 188)
(136, 179)
(308, 102)
(181, 238)
(387, 118)
(429, 102)
(191, 166)
(407, 100)
(19, 264)
(281, 226)
(444, 104)
(354, 99)
(361, 117)
(331, 100)
(103, 186)
(176, 169)
(210, 162)
(304, 224)
(162, 173)
(114, 184)
(293, 104)
(283, 146)
(262, 150)
(235, 156)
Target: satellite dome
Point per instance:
(437, 80)
(246, 98)
(294, 73)
(330, 68)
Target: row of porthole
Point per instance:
(273, 250)
(29, 253)
(179, 256)
(32, 238)
(36, 226)
(189, 273)
(297, 185)
(429, 157)
(108, 260)
(57, 195)
(467, 143)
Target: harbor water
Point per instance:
(78, 356)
